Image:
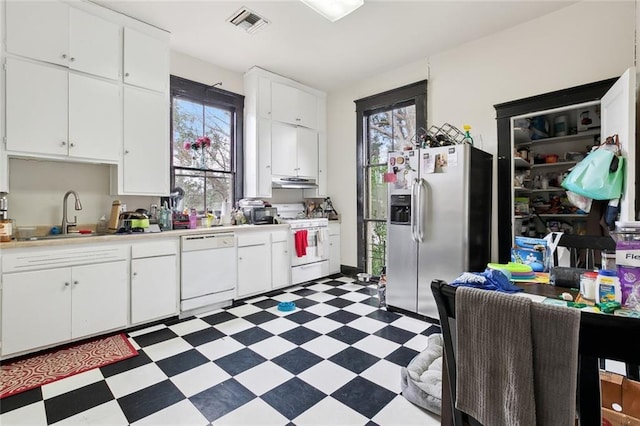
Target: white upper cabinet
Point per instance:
(36, 94)
(283, 121)
(145, 163)
(53, 32)
(38, 30)
(77, 116)
(146, 61)
(95, 119)
(294, 151)
(94, 45)
(294, 106)
(264, 97)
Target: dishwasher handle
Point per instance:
(208, 241)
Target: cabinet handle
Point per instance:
(268, 167)
(297, 119)
(71, 145)
(239, 258)
(66, 284)
(75, 283)
(126, 151)
(135, 274)
(72, 59)
(126, 74)
(63, 143)
(64, 56)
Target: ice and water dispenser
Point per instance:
(400, 209)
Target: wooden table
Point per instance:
(602, 336)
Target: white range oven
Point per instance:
(309, 243)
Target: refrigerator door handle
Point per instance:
(420, 219)
(414, 235)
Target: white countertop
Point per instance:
(111, 238)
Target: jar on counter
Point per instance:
(6, 230)
(588, 285)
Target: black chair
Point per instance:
(585, 250)
(445, 300)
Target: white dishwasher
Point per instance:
(208, 270)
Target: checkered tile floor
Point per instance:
(334, 360)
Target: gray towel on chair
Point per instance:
(516, 359)
(555, 332)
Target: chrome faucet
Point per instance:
(65, 222)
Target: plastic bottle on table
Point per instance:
(608, 287)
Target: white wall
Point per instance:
(585, 42)
(194, 69)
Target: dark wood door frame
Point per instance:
(504, 112)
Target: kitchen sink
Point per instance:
(58, 236)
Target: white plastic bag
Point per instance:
(564, 256)
(580, 201)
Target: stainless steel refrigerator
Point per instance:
(439, 221)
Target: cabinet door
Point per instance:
(334, 254)
(99, 298)
(283, 149)
(307, 152)
(264, 97)
(264, 158)
(154, 288)
(146, 61)
(254, 269)
(145, 165)
(36, 108)
(38, 30)
(35, 309)
(284, 103)
(307, 110)
(618, 117)
(280, 264)
(95, 118)
(94, 45)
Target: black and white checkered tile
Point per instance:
(334, 360)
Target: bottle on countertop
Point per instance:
(102, 227)
(193, 219)
(114, 219)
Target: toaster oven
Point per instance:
(260, 215)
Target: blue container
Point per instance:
(286, 306)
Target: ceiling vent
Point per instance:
(247, 19)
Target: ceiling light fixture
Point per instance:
(333, 9)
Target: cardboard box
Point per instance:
(625, 394)
(631, 398)
(610, 389)
(613, 418)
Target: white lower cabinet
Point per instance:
(280, 259)
(254, 263)
(50, 306)
(334, 248)
(154, 281)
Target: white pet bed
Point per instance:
(421, 380)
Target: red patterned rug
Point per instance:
(28, 373)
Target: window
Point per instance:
(206, 143)
(386, 122)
